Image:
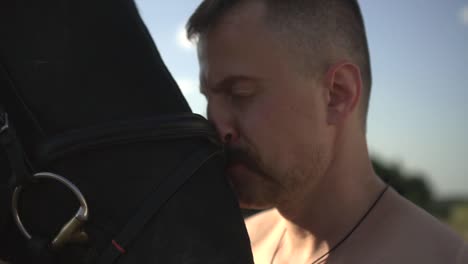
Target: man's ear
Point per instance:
(344, 84)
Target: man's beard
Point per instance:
(255, 188)
(259, 186)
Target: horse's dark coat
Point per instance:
(81, 63)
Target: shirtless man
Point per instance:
(288, 85)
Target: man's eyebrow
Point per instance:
(229, 81)
(225, 83)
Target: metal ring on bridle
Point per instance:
(71, 229)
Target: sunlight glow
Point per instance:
(182, 40)
(464, 15)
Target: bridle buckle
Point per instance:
(72, 231)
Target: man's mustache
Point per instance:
(240, 155)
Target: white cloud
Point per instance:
(182, 40)
(187, 86)
(464, 15)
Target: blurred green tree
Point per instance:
(412, 186)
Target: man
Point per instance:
(288, 85)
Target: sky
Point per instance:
(418, 117)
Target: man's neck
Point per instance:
(330, 209)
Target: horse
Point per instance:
(92, 119)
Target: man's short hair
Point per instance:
(317, 30)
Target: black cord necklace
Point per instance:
(342, 240)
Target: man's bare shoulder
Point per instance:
(414, 236)
(462, 256)
(421, 223)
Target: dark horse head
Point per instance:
(85, 95)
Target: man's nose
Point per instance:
(224, 124)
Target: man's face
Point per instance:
(273, 113)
